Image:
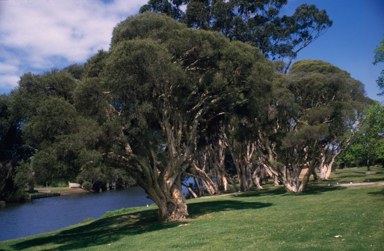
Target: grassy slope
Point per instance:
(270, 219)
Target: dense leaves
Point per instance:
(379, 57)
(258, 23)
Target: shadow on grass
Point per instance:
(200, 208)
(99, 232)
(313, 188)
(111, 229)
(374, 179)
(381, 193)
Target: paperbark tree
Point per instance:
(160, 86)
(314, 107)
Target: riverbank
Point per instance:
(331, 218)
(321, 218)
(63, 190)
(55, 191)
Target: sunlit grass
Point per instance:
(268, 219)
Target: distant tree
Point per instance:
(52, 129)
(367, 148)
(258, 23)
(379, 57)
(314, 109)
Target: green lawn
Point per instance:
(268, 219)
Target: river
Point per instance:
(48, 214)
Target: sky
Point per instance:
(38, 35)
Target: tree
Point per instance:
(314, 109)
(52, 129)
(258, 23)
(366, 147)
(162, 86)
(11, 149)
(379, 57)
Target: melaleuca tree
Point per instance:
(258, 23)
(315, 110)
(162, 85)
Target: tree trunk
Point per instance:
(242, 154)
(218, 158)
(315, 174)
(190, 191)
(256, 178)
(276, 182)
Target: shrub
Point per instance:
(87, 185)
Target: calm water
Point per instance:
(48, 214)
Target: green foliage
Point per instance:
(12, 148)
(379, 57)
(379, 52)
(257, 23)
(25, 175)
(315, 66)
(87, 185)
(368, 145)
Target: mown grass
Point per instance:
(268, 219)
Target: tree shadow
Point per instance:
(107, 230)
(99, 232)
(380, 193)
(266, 191)
(316, 189)
(312, 189)
(374, 179)
(200, 208)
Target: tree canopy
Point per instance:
(258, 23)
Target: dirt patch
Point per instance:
(62, 190)
(74, 191)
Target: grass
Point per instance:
(268, 219)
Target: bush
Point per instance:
(87, 185)
(16, 196)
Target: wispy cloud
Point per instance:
(41, 34)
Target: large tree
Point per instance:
(315, 107)
(160, 87)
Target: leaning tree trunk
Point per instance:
(326, 166)
(256, 177)
(165, 191)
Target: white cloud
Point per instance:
(40, 34)
(8, 82)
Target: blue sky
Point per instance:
(41, 34)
